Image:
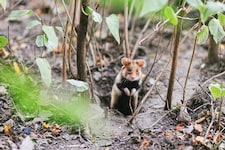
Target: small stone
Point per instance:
(3, 91)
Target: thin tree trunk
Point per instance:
(174, 64)
(213, 50)
(81, 42)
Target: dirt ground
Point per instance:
(153, 129)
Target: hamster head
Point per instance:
(131, 69)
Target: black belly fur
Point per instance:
(125, 104)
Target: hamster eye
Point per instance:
(137, 71)
(129, 70)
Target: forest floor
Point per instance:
(153, 127)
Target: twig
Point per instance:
(127, 49)
(220, 113)
(64, 74)
(148, 93)
(212, 111)
(71, 39)
(154, 62)
(213, 77)
(68, 14)
(91, 80)
(157, 28)
(139, 38)
(160, 118)
(188, 71)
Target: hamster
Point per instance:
(126, 87)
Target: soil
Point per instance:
(153, 127)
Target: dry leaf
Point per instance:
(198, 128)
(184, 115)
(200, 120)
(188, 129)
(17, 68)
(179, 127)
(217, 137)
(144, 144)
(4, 53)
(7, 129)
(56, 130)
(45, 125)
(23, 45)
(204, 142)
(167, 134)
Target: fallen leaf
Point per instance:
(217, 137)
(198, 128)
(4, 53)
(184, 115)
(17, 68)
(7, 129)
(167, 134)
(179, 127)
(200, 120)
(23, 45)
(144, 144)
(203, 141)
(188, 129)
(45, 125)
(56, 130)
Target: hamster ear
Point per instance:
(141, 62)
(125, 61)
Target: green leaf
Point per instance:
(169, 14)
(45, 70)
(212, 8)
(112, 22)
(195, 3)
(33, 23)
(203, 34)
(221, 18)
(51, 41)
(216, 29)
(150, 6)
(216, 90)
(40, 40)
(81, 86)
(3, 41)
(88, 10)
(96, 17)
(3, 3)
(17, 14)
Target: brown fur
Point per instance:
(126, 85)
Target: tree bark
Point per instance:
(81, 43)
(174, 64)
(213, 49)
